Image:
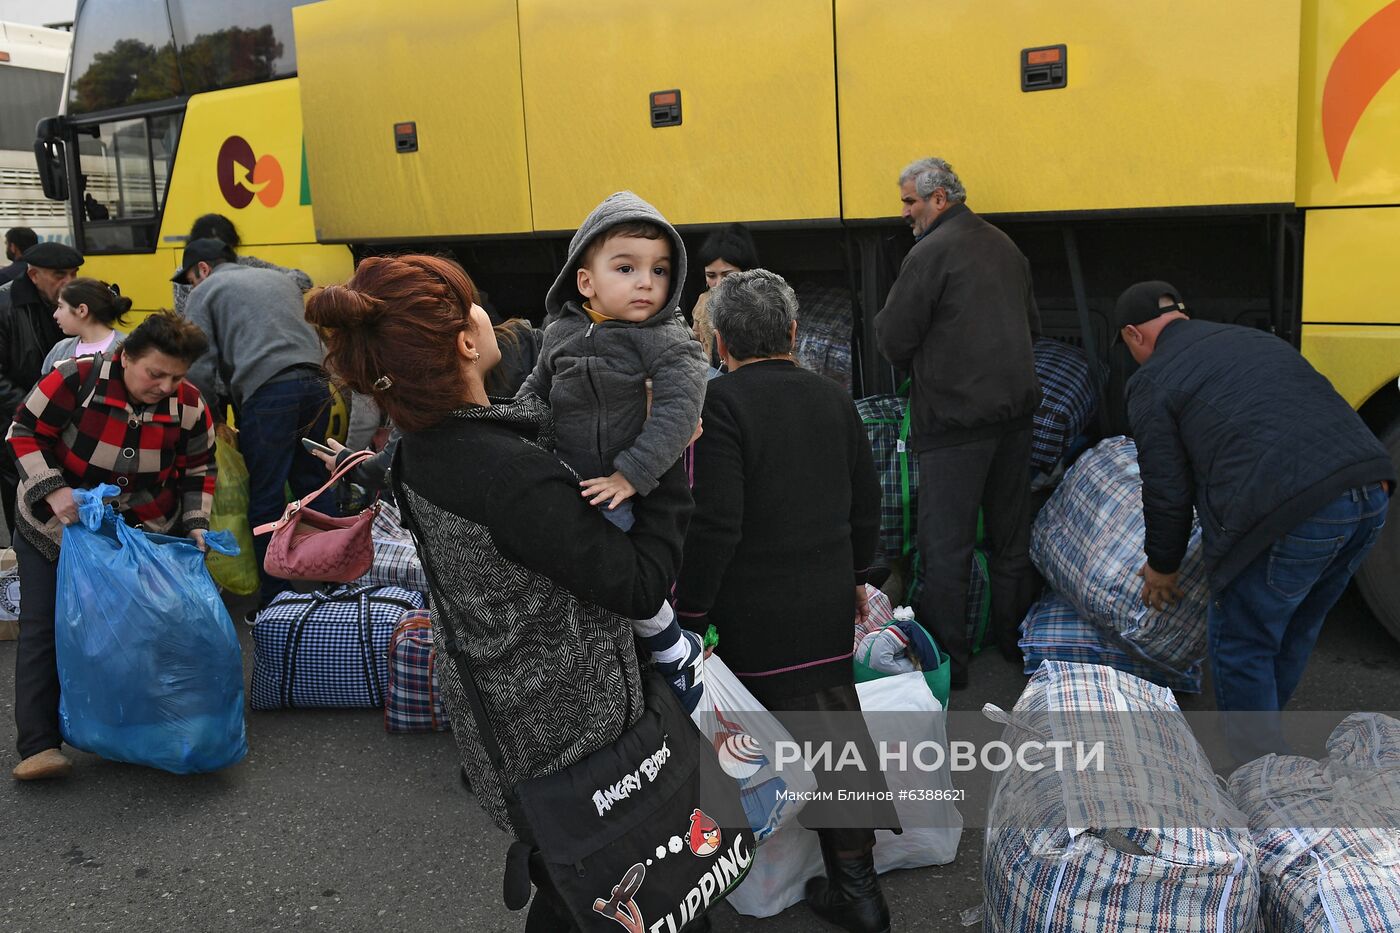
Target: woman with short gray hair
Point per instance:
(787, 506)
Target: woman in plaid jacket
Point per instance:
(132, 421)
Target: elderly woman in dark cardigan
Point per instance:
(535, 584)
(787, 508)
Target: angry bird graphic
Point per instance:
(704, 834)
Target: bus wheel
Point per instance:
(1379, 577)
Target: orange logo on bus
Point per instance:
(1366, 61)
(244, 176)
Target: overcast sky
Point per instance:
(37, 12)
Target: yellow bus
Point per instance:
(1244, 151)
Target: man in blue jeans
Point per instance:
(1288, 483)
(262, 348)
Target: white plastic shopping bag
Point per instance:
(745, 737)
(932, 827)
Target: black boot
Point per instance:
(849, 896)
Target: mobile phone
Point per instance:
(315, 448)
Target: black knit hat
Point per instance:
(51, 255)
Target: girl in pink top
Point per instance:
(87, 311)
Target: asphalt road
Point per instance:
(333, 824)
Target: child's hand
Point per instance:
(614, 490)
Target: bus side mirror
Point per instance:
(48, 153)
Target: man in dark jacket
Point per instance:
(1288, 483)
(17, 240)
(961, 318)
(27, 333)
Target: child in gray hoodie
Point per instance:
(626, 381)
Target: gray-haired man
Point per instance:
(960, 318)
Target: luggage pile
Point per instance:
(1150, 843)
(365, 644)
(1328, 832)
(1088, 543)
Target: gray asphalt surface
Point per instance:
(333, 824)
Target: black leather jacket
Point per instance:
(27, 333)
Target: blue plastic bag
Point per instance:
(148, 659)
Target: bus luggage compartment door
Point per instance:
(1168, 103)
(452, 70)
(756, 141)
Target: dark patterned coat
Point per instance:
(536, 585)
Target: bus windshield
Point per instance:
(132, 52)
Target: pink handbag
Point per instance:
(308, 545)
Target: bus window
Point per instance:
(228, 44)
(26, 96)
(123, 54)
(124, 169)
(164, 133)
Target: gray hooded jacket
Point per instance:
(594, 375)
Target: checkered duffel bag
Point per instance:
(886, 420)
(396, 560)
(1066, 401)
(327, 649)
(1148, 844)
(415, 699)
(1053, 630)
(1329, 849)
(1088, 542)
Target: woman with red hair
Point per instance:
(530, 585)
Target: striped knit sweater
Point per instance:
(161, 456)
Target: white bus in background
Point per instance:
(32, 63)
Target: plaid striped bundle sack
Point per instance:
(979, 596)
(898, 468)
(327, 649)
(415, 698)
(396, 560)
(1150, 844)
(1054, 631)
(1328, 831)
(824, 331)
(1066, 400)
(1088, 542)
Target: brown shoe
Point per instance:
(50, 763)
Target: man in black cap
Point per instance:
(27, 333)
(1290, 487)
